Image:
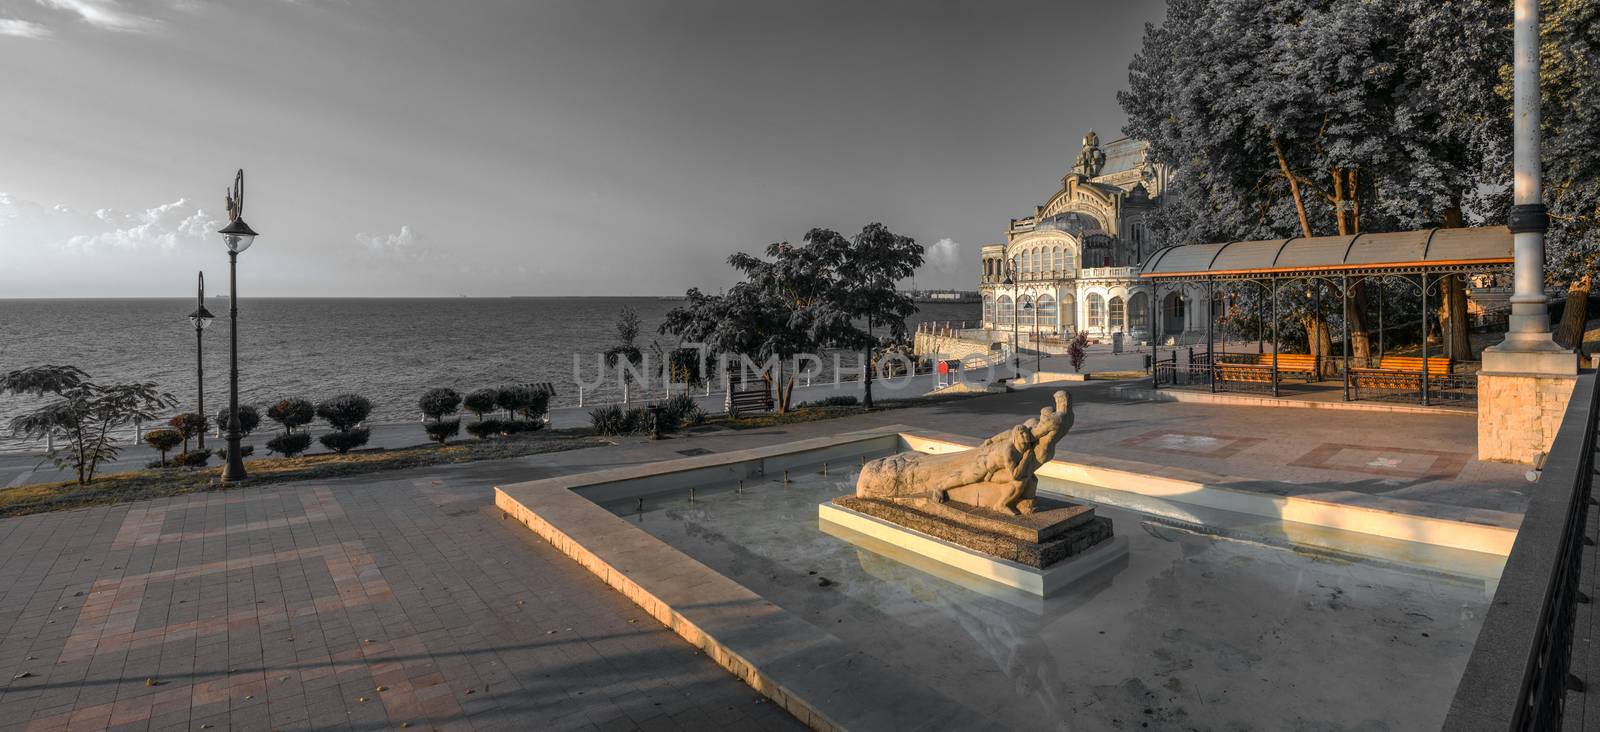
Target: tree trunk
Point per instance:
(1360, 332)
(1453, 319)
(1574, 315)
(1294, 189)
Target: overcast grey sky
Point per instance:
(422, 148)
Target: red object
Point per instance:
(944, 367)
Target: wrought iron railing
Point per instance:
(1518, 675)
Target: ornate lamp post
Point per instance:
(237, 236)
(201, 319)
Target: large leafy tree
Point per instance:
(861, 277)
(1295, 118)
(828, 292)
(80, 413)
(1570, 111)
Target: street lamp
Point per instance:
(237, 236)
(201, 319)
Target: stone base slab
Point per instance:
(1082, 530)
(1031, 580)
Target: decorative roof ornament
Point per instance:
(1090, 159)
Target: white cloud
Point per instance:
(102, 14)
(944, 255)
(403, 245)
(23, 29)
(164, 227)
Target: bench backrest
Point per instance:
(751, 399)
(1290, 360)
(1436, 364)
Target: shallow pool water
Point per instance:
(1193, 630)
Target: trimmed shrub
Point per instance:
(289, 444)
(344, 441)
(442, 430)
(436, 404)
(344, 411)
(189, 425)
(485, 428)
(163, 440)
(249, 419)
(192, 458)
(513, 398)
(679, 410)
(481, 402)
(292, 413)
(244, 451)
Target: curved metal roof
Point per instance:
(1396, 250)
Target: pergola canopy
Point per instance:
(1425, 250)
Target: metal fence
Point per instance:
(1518, 675)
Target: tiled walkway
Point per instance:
(367, 604)
(404, 599)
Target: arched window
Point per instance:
(1097, 311)
(1006, 314)
(988, 309)
(1138, 311)
(1024, 311)
(1118, 315)
(1046, 306)
(1056, 255)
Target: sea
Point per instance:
(389, 350)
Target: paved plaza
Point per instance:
(405, 599)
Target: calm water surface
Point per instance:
(390, 350)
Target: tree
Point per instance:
(439, 403)
(249, 419)
(1570, 115)
(344, 411)
(513, 398)
(189, 424)
(764, 317)
(861, 287)
(1294, 118)
(482, 402)
(292, 413)
(627, 349)
(82, 414)
(163, 440)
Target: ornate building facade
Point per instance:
(1074, 264)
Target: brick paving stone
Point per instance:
(284, 607)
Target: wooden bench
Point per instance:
(1257, 368)
(757, 399)
(1402, 372)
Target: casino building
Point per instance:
(1073, 265)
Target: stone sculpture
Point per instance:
(997, 475)
(1091, 158)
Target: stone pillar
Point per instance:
(1527, 379)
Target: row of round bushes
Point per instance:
(344, 413)
(524, 407)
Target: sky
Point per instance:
(411, 148)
